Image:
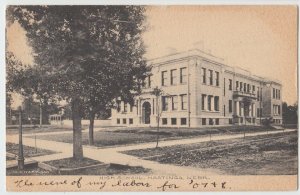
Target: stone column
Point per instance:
(154, 106)
(237, 108)
(242, 109)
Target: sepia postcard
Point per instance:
(151, 98)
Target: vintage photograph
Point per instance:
(151, 98)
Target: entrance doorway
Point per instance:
(146, 112)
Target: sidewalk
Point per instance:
(113, 155)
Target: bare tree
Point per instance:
(157, 92)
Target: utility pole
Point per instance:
(20, 156)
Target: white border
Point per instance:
(111, 2)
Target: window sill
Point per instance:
(211, 85)
(174, 85)
(211, 111)
(169, 111)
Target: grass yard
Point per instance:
(103, 138)
(106, 169)
(27, 150)
(140, 135)
(260, 155)
(71, 163)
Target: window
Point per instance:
(144, 83)
(183, 102)
(273, 93)
(257, 93)
(203, 101)
(118, 121)
(153, 106)
(230, 84)
(253, 88)
(163, 78)
(279, 109)
(137, 107)
(211, 121)
(130, 107)
(217, 78)
(174, 102)
(230, 106)
(124, 120)
(164, 121)
(130, 121)
(217, 121)
(224, 87)
(230, 121)
(125, 107)
(203, 74)
(173, 121)
(173, 77)
(236, 85)
(204, 121)
(257, 112)
(216, 103)
(209, 102)
(245, 87)
(279, 94)
(149, 81)
(183, 75)
(248, 88)
(183, 121)
(118, 106)
(164, 103)
(241, 86)
(211, 77)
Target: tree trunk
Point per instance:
(41, 114)
(91, 129)
(77, 137)
(157, 138)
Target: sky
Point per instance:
(261, 39)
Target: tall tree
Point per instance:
(289, 113)
(90, 54)
(157, 92)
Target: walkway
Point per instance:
(113, 155)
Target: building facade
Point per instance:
(198, 89)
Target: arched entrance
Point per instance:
(146, 112)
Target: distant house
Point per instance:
(200, 90)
